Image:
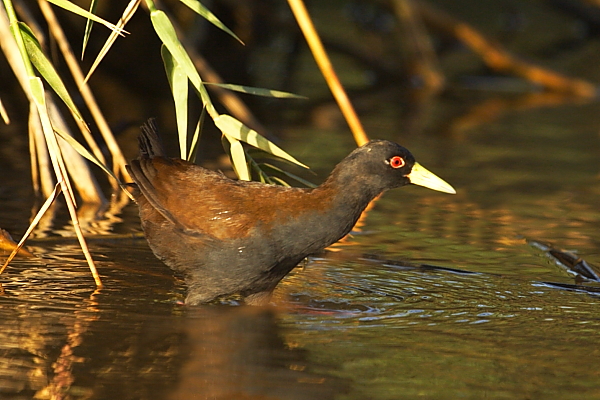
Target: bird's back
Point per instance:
(225, 236)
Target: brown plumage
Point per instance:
(229, 236)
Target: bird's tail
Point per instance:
(149, 142)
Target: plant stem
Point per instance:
(316, 46)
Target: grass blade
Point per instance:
(280, 181)
(75, 9)
(258, 91)
(234, 128)
(238, 158)
(289, 175)
(4, 114)
(46, 69)
(39, 97)
(178, 81)
(166, 32)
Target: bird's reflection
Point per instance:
(238, 353)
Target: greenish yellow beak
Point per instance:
(422, 177)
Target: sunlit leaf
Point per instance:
(209, 16)
(178, 81)
(127, 14)
(234, 128)
(46, 69)
(39, 97)
(238, 158)
(258, 91)
(165, 31)
(4, 114)
(67, 5)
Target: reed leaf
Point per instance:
(75, 9)
(238, 158)
(234, 128)
(178, 81)
(39, 97)
(4, 114)
(46, 69)
(257, 91)
(166, 32)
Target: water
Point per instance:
(361, 320)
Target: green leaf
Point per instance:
(46, 69)
(88, 27)
(258, 91)
(67, 5)
(39, 96)
(209, 16)
(238, 158)
(165, 31)
(178, 81)
(234, 128)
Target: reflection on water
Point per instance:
(240, 353)
(60, 339)
(366, 329)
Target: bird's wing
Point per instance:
(200, 201)
(144, 174)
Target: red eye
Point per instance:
(397, 162)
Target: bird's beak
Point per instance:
(422, 177)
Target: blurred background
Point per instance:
(478, 295)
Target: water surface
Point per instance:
(361, 320)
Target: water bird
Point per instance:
(230, 237)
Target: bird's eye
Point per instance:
(397, 162)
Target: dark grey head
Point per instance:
(381, 165)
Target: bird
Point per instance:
(232, 237)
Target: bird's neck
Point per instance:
(336, 205)
(348, 198)
(347, 190)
